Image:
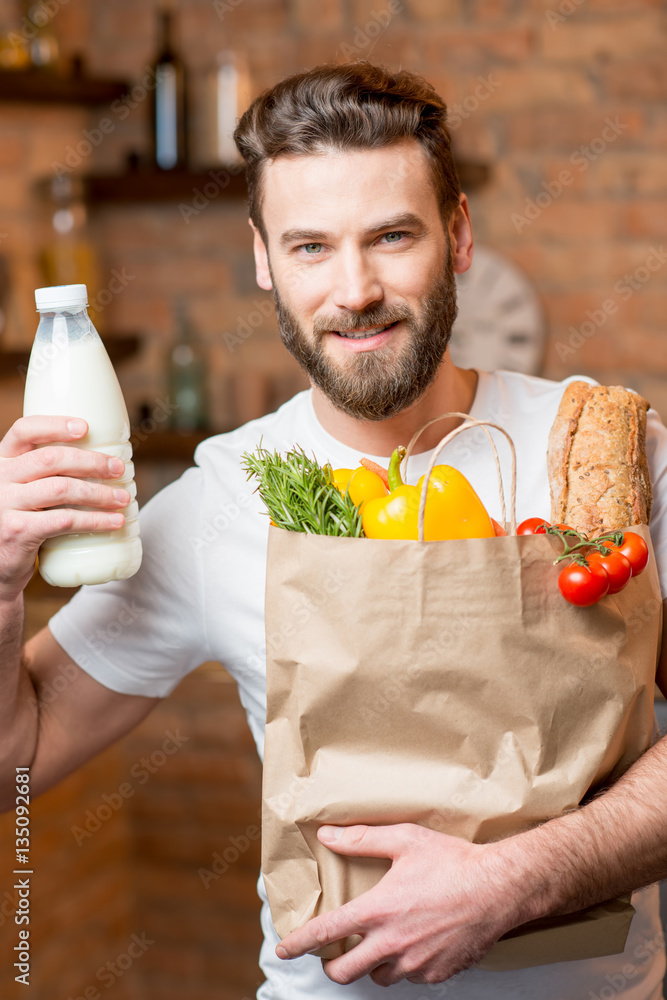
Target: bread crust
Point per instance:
(598, 472)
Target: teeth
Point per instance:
(363, 334)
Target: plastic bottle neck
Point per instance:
(76, 312)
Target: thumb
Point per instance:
(369, 841)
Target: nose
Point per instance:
(357, 285)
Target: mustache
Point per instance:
(381, 316)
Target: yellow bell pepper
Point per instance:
(453, 509)
(341, 478)
(362, 484)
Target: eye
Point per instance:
(311, 248)
(394, 237)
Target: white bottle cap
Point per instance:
(58, 297)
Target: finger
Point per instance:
(59, 491)
(58, 460)
(31, 528)
(360, 961)
(27, 432)
(370, 841)
(320, 931)
(390, 973)
(385, 975)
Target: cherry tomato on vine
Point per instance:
(532, 526)
(583, 585)
(635, 550)
(616, 566)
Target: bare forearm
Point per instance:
(614, 844)
(18, 706)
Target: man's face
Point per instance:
(359, 261)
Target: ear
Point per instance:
(261, 260)
(460, 237)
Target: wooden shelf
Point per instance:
(49, 87)
(144, 185)
(167, 446)
(14, 363)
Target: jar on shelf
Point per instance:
(222, 93)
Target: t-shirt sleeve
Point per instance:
(143, 635)
(656, 453)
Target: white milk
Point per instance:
(73, 376)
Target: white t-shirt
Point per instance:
(199, 595)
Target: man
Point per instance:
(359, 229)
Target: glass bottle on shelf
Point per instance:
(224, 93)
(186, 379)
(68, 256)
(169, 100)
(14, 50)
(36, 28)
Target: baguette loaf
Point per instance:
(598, 473)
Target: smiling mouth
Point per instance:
(363, 334)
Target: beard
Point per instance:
(376, 384)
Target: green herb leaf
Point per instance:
(299, 494)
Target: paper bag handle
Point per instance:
(468, 422)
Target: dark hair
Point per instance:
(354, 106)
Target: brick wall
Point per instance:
(196, 845)
(578, 202)
(150, 850)
(82, 909)
(529, 85)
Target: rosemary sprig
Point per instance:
(299, 494)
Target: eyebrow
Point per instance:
(319, 236)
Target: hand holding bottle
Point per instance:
(39, 472)
(70, 373)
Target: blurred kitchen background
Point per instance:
(560, 127)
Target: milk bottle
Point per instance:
(70, 374)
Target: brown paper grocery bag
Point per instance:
(448, 684)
